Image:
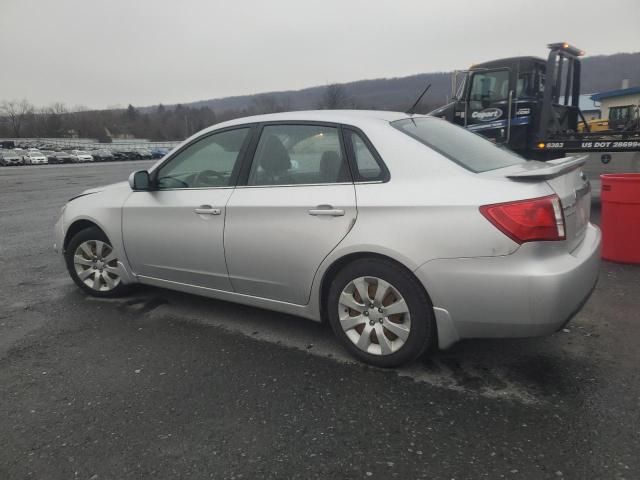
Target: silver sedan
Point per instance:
(405, 233)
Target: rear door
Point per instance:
(488, 104)
(297, 203)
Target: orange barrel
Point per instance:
(620, 222)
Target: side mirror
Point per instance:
(140, 181)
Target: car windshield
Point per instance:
(465, 148)
(82, 152)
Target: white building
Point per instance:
(617, 98)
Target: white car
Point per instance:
(78, 156)
(403, 232)
(35, 157)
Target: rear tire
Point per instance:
(394, 325)
(93, 264)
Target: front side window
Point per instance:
(207, 163)
(487, 88)
(525, 87)
(297, 155)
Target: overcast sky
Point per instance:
(102, 53)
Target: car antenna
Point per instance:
(411, 110)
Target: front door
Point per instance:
(297, 205)
(175, 232)
(488, 105)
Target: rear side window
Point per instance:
(368, 167)
(299, 155)
(467, 149)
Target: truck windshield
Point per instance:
(620, 113)
(467, 149)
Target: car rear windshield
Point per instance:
(465, 148)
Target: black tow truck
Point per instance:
(531, 106)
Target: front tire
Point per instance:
(380, 313)
(93, 264)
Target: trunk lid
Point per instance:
(566, 179)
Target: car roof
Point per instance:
(349, 117)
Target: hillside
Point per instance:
(599, 73)
(606, 72)
(175, 122)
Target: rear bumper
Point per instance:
(534, 291)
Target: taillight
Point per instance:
(532, 220)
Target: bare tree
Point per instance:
(335, 97)
(54, 119)
(267, 103)
(16, 111)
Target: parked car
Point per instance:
(60, 157)
(78, 156)
(34, 157)
(144, 153)
(10, 157)
(118, 155)
(159, 152)
(102, 155)
(122, 154)
(403, 232)
(48, 154)
(132, 154)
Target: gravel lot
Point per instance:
(165, 385)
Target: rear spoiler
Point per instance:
(547, 170)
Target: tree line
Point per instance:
(20, 118)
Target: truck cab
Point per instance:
(623, 118)
(519, 101)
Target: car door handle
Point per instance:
(207, 210)
(331, 212)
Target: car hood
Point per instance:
(110, 187)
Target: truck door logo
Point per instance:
(487, 114)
